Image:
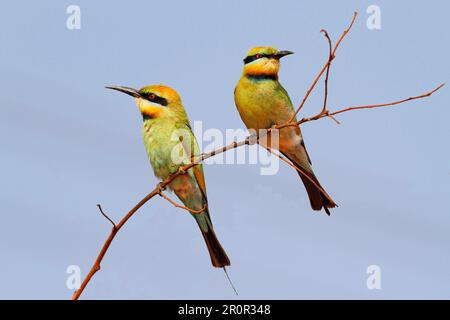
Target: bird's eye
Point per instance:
(151, 96)
(257, 56)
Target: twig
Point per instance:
(321, 115)
(160, 186)
(181, 206)
(105, 215)
(295, 167)
(112, 235)
(330, 58)
(387, 104)
(325, 67)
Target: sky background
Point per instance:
(67, 144)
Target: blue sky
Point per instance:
(68, 144)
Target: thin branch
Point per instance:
(330, 58)
(112, 235)
(325, 67)
(332, 114)
(389, 103)
(334, 119)
(295, 167)
(181, 206)
(355, 14)
(156, 191)
(105, 215)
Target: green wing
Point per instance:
(191, 148)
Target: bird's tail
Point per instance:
(219, 258)
(318, 197)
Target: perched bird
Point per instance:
(170, 143)
(262, 102)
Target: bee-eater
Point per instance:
(262, 102)
(166, 132)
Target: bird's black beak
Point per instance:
(130, 91)
(281, 54)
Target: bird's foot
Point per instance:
(160, 188)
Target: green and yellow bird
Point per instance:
(262, 102)
(170, 143)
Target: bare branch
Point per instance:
(160, 186)
(181, 206)
(332, 114)
(325, 67)
(330, 58)
(387, 104)
(105, 215)
(295, 167)
(112, 235)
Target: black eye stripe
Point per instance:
(154, 98)
(254, 57)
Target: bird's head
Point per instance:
(154, 101)
(263, 61)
